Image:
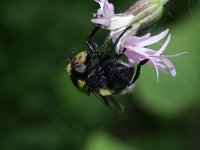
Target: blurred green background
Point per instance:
(40, 109)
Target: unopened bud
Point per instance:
(146, 12)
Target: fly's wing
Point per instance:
(106, 42)
(110, 102)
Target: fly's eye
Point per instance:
(77, 63)
(81, 57)
(80, 68)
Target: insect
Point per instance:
(102, 74)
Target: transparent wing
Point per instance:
(110, 102)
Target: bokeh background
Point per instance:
(40, 109)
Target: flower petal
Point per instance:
(163, 46)
(104, 13)
(170, 66)
(106, 9)
(120, 21)
(169, 56)
(153, 39)
(134, 40)
(101, 21)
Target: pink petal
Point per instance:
(161, 67)
(134, 40)
(169, 56)
(104, 13)
(102, 21)
(136, 56)
(168, 63)
(164, 46)
(106, 9)
(141, 50)
(170, 66)
(155, 66)
(153, 39)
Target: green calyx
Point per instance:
(146, 12)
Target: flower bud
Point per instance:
(146, 12)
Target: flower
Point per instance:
(104, 13)
(136, 49)
(141, 14)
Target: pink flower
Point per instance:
(106, 18)
(136, 49)
(104, 13)
(139, 15)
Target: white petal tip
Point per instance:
(166, 31)
(173, 73)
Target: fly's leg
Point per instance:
(117, 40)
(91, 45)
(137, 72)
(117, 56)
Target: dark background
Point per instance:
(40, 109)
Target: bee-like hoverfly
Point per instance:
(102, 74)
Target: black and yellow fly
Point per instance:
(102, 74)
